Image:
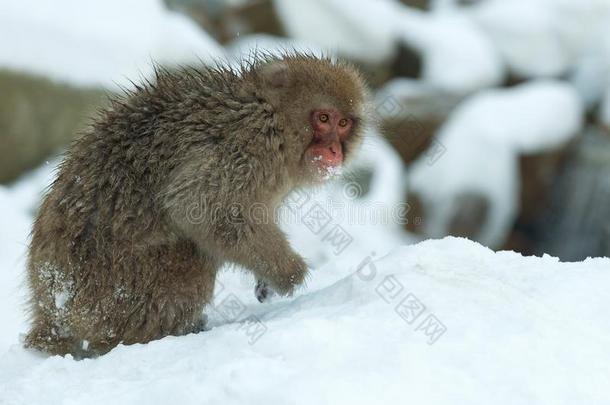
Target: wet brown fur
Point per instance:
(125, 247)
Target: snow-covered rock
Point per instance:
(425, 324)
(98, 43)
(401, 98)
(482, 140)
(458, 56)
(529, 118)
(358, 29)
(526, 34)
(542, 38)
(590, 77)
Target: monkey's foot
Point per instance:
(262, 291)
(43, 339)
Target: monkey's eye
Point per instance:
(343, 122)
(323, 117)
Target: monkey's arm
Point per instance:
(264, 250)
(225, 228)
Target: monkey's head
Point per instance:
(321, 105)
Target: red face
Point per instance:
(331, 129)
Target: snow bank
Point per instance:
(426, 324)
(483, 139)
(98, 43)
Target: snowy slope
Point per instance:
(426, 324)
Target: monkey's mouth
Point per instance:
(326, 160)
(327, 155)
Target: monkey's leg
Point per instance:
(44, 337)
(181, 285)
(155, 291)
(51, 287)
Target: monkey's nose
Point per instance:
(336, 154)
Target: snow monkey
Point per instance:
(125, 247)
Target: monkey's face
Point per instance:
(331, 130)
(322, 106)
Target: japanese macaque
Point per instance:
(155, 197)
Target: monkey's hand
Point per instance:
(262, 291)
(283, 279)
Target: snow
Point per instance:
(533, 117)
(102, 43)
(542, 38)
(457, 55)
(526, 35)
(591, 73)
(369, 31)
(18, 204)
(348, 27)
(590, 76)
(483, 139)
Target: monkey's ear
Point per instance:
(275, 74)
